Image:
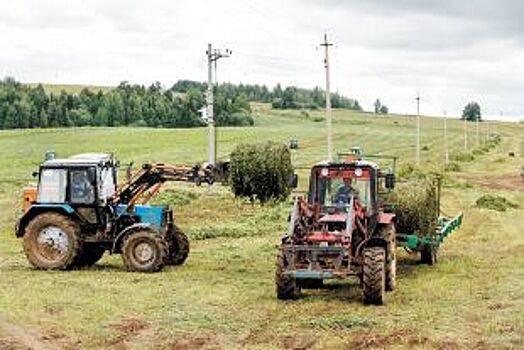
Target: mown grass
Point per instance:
(223, 297)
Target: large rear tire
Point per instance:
(388, 232)
(144, 251)
(287, 286)
(91, 254)
(52, 242)
(178, 247)
(374, 275)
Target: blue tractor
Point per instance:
(78, 212)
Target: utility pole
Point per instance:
(487, 131)
(478, 130)
(212, 57)
(326, 45)
(446, 136)
(465, 134)
(418, 129)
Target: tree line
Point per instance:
(23, 106)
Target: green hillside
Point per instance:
(224, 296)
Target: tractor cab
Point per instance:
(79, 185)
(333, 186)
(81, 180)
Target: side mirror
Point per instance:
(35, 174)
(390, 181)
(293, 181)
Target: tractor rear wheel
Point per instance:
(52, 242)
(428, 255)
(91, 254)
(374, 275)
(178, 247)
(287, 286)
(144, 251)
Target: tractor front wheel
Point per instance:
(144, 251)
(178, 247)
(286, 285)
(374, 275)
(52, 242)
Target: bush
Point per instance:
(493, 202)
(235, 119)
(261, 171)
(415, 206)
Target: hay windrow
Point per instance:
(494, 202)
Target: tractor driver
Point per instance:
(345, 192)
(81, 188)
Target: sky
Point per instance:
(448, 51)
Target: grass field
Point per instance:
(223, 297)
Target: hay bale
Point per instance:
(493, 202)
(261, 171)
(415, 205)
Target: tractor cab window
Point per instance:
(81, 186)
(338, 191)
(107, 184)
(52, 186)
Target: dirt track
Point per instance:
(504, 182)
(18, 338)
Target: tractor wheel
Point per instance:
(374, 277)
(178, 247)
(428, 255)
(287, 286)
(144, 251)
(91, 254)
(52, 242)
(389, 234)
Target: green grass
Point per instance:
(223, 297)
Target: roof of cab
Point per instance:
(82, 159)
(345, 164)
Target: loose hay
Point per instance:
(261, 171)
(415, 205)
(493, 202)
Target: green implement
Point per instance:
(445, 227)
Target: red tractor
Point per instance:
(340, 230)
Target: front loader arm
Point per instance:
(148, 180)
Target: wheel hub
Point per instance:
(144, 252)
(53, 242)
